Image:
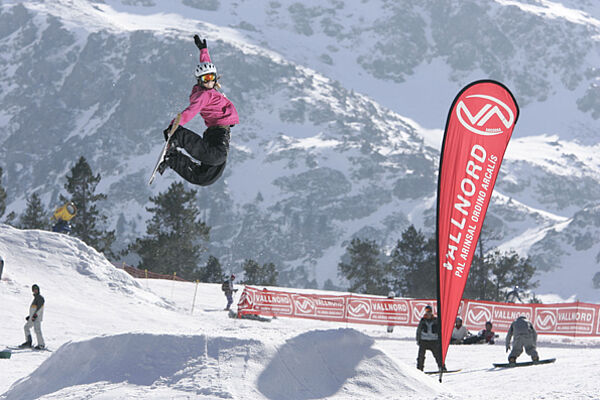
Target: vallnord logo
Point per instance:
(475, 123)
(359, 308)
(304, 305)
(546, 320)
(479, 315)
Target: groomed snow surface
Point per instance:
(115, 337)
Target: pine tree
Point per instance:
(81, 185)
(509, 270)
(365, 272)
(173, 234)
(212, 273)
(412, 265)
(35, 216)
(255, 274)
(2, 196)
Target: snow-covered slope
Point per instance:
(341, 108)
(113, 337)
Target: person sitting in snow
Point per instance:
(219, 115)
(427, 339)
(460, 332)
(486, 335)
(34, 319)
(525, 336)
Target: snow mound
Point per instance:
(312, 365)
(319, 364)
(147, 360)
(60, 261)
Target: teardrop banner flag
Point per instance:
(479, 126)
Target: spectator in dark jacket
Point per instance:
(227, 288)
(34, 320)
(486, 335)
(427, 339)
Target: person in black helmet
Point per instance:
(34, 320)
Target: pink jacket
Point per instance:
(213, 106)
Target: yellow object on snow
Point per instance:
(65, 212)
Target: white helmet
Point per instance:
(205, 68)
(391, 294)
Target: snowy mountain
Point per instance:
(113, 337)
(341, 107)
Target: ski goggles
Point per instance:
(208, 78)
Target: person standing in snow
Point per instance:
(219, 114)
(34, 320)
(525, 336)
(427, 339)
(391, 295)
(227, 288)
(1, 266)
(459, 333)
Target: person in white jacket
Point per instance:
(460, 332)
(34, 320)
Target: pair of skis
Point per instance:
(161, 158)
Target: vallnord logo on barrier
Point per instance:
(546, 320)
(305, 305)
(359, 308)
(475, 123)
(479, 315)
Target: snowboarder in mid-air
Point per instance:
(219, 114)
(524, 336)
(34, 319)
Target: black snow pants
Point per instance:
(210, 150)
(434, 347)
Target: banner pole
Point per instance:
(194, 301)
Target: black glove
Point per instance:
(166, 132)
(27, 318)
(200, 43)
(34, 317)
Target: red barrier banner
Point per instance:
(570, 319)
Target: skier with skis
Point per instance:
(427, 339)
(513, 295)
(525, 336)
(34, 320)
(219, 114)
(227, 288)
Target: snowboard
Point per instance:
(165, 148)
(16, 349)
(524, 364)
(450, 371)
